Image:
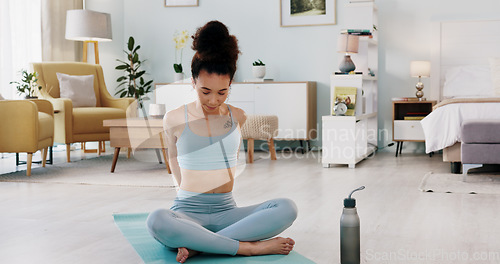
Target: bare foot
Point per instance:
(184, 253)
(278, 245)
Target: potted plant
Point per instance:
(180, 40)
(28, 84)
(132, 83)
(259, 69)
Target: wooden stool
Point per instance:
(262, 127)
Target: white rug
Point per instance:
(96, 171)
(476, 183)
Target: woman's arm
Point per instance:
(170, 126)
(239, 115)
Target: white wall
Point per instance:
(290, 53)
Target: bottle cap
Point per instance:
(349, 202)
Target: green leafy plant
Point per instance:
(28, 84)
(132, 83)
(258, 63)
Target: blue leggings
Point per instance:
(212, 223)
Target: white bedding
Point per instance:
(442, 126)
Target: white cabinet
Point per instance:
(348, 139)
(406, 116)
(293, 102)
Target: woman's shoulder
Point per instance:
(238, 114)
(174, 118)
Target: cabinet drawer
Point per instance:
(408, 130)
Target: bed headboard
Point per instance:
(459, 43)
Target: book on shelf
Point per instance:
(416, 113)
(413, 117)
(346, 95)
(404, 99)
(361, 32)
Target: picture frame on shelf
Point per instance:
(178, 3)
(347, 96)
(294, 13)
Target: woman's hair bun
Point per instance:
(214, 44)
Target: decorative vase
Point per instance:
(178, 77)
(259, 71)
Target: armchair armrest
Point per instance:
(122, 103)
(59, 104)
(44, 106)
(109, 101)
(63, 121)
(19, 129)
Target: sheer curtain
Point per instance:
(55, 47)
(33, 30)
(20, 40)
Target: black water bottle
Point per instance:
(349, 232)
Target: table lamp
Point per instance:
(347, 44)
(90, 27)
(420, 69)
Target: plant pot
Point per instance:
(30, 97)
(157, 110)
(178, 77)
(259, 71)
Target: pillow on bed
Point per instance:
(495, 74)
(468, 81)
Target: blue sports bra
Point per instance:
(196, 152)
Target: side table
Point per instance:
(138, 133)
(406, 116)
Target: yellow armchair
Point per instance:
(79, 124)
(26, 126)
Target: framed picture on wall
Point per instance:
(296, 13)
(172, 3)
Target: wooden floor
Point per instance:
(64, 223)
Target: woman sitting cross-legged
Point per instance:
(203, 139)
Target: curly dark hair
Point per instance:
(216, 50)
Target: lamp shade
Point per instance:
(420, 68)
(87, 25)
(348, 43)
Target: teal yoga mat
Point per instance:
(133, 227)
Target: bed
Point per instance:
(465, 80)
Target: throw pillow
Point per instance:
(78, 88)
(495, 74)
